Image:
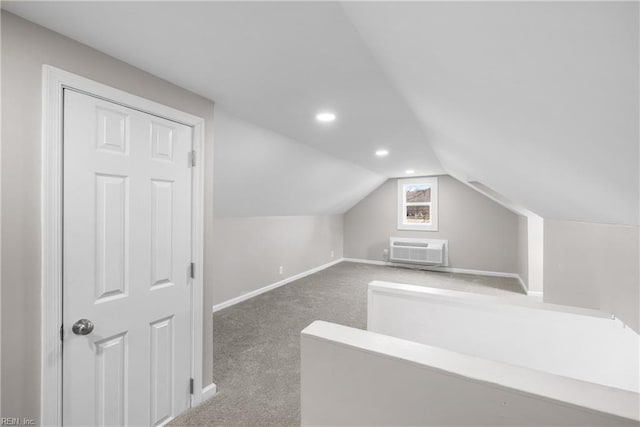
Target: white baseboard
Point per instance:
(165, 422)
(283, 282)
(209, 391)
(535, 294)
(522, 284)
(440, 269)
(272, 286)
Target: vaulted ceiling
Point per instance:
(536, 100)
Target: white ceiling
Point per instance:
(275, 64)
(536, 100)
(262, 173)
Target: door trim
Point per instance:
(54, 81)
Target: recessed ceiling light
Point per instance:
(382, 153)
(325, 117)
(410, 171)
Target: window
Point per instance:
(418, 204)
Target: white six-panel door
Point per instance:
(126, 258)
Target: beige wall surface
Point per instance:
(25, 48)
(248, 251)
(482, 234)
(593, 266)
(523, 249)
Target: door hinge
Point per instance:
(61, 332)
(190, 385)
(192, 159)
(192, 270)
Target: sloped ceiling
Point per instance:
(274, 63)
(262, 173)
(536, 100)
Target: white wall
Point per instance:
(25, 48)
(278, 203)
(535, 253)
(523, 249)
(482, 234)
(355, 377)
(530, 232)
(579, 344)
(594, 266)
(249, 251)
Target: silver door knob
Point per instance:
(82, 327)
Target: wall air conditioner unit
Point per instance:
(418, 251)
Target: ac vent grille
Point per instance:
(418, 251)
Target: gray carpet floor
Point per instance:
(256, 354)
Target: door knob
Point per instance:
(82, 327)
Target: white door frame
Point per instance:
(54, 81)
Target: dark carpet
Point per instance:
(256, 355)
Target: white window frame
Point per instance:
(432, 182)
